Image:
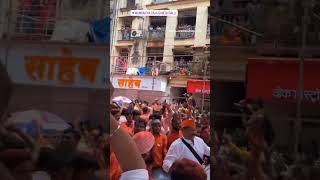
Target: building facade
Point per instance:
(177, 45)
(244, 73)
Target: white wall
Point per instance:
(171, 25)
(201, 26)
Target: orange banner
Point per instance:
(61, 68)
(129, 83)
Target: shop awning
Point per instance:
(198, 86)
(179, 82)
(277, 79)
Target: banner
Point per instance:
(139, 82)
(198, 87)
(278, 80)
(58, 66)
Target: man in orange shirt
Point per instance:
(129, 124)
(160, 146)
(175, 133)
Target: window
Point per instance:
(49, 19)
(157, 28)
(186, 24)
(131, 4)
(122, 61)
(125, 31)
(35, 18)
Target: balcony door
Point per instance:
(157, 28)
(186, 24)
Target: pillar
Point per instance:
(171, 25)
(201, 26)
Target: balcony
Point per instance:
(55, 20)
(120, 65)
(128, 34)
(124, 34)
(129, 65)
(185, 32)
(189, 68)
(157, 33)
(155, 66)
(131, 5)
(33, 22)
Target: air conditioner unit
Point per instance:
(136, 34)
(165, 68)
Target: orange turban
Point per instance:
(188, 123)
(144, 141)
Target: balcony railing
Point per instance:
(48, 21)
(128, 34)
(155, 66)
(121, 64)
(190, 68)
(34, 22)
(157, 34)
(185, 32)
(124, 35)
(131, 5)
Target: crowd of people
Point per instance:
(79, 152)
(250, 153)
(126, 32)
(76, 154)
(157, 32)
(183, 65)
(185, 31)
(163, 133)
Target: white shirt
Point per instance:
(122, 119)
(178, 151)
(138, 174)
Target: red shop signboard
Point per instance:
(277, 80)
(198, 86)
